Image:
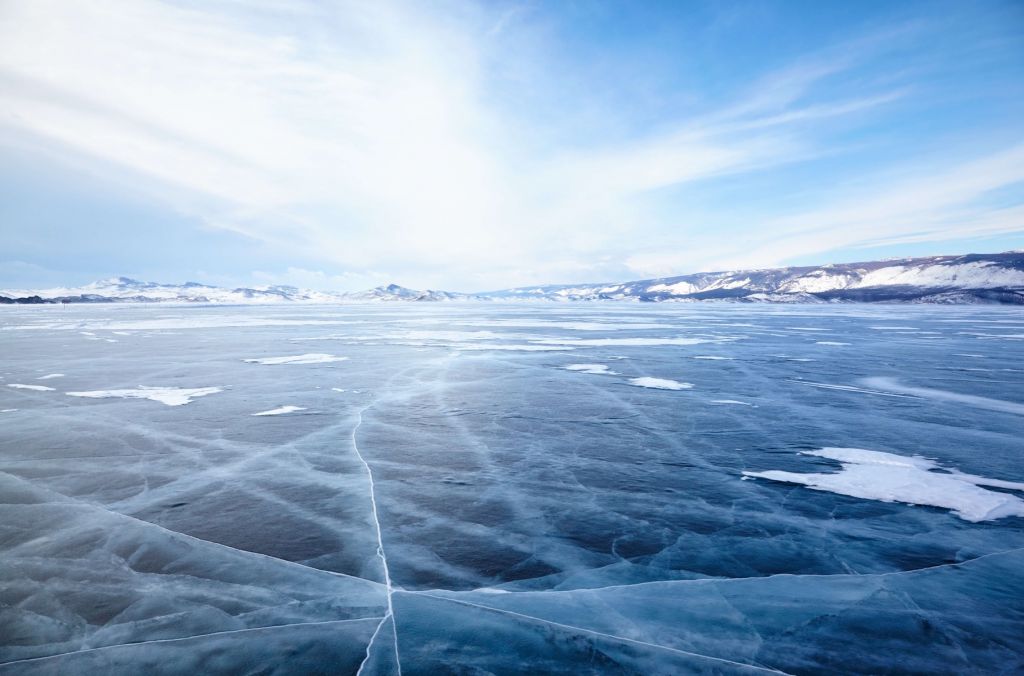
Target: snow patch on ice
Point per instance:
(37, 388)
(313, 358)
(171, 396)
(281, 410)
(660, 383)
(595, 369)
(512, 348)
(887, 477)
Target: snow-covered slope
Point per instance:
(941, 279)
(124, 289)
(972, 278)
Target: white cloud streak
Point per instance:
(361, 136)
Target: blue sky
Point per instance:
(474, 146)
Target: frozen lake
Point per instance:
(591, 488)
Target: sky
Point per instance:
(474, 146)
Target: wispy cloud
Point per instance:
(366, 136)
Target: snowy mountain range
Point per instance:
(971, 278)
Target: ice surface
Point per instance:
(280, 410)
(171, 396)
(462, 502)
(875, 475)
(892, 385)
(659, 383)
(626, 342)
(594, 369)
(313, 358)
(37, 388)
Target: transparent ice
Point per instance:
(484, 488)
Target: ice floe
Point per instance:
(313, 358)
(595, 369)
(914, 480)
(171, 396)
(37, 388)
(281, 410)
(659, 383)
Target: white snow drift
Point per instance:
(875, 475)
(171, 396)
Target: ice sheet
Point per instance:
(456, 500)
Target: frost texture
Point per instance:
(473, 490)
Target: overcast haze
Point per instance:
(474, 146)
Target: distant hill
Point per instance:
(971, 278)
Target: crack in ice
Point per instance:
(600, 633)
(184, 638)
(390, 614)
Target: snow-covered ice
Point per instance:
(281, 410)
(875, 475)
(312, 358)
(171, 396)
(595, 369)
(659, 383)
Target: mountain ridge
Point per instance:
(952, 279)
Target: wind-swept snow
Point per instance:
(875, 475)
(659, 383)
(171, 396)
(595, 369)
(313, 358)
(280, 410)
